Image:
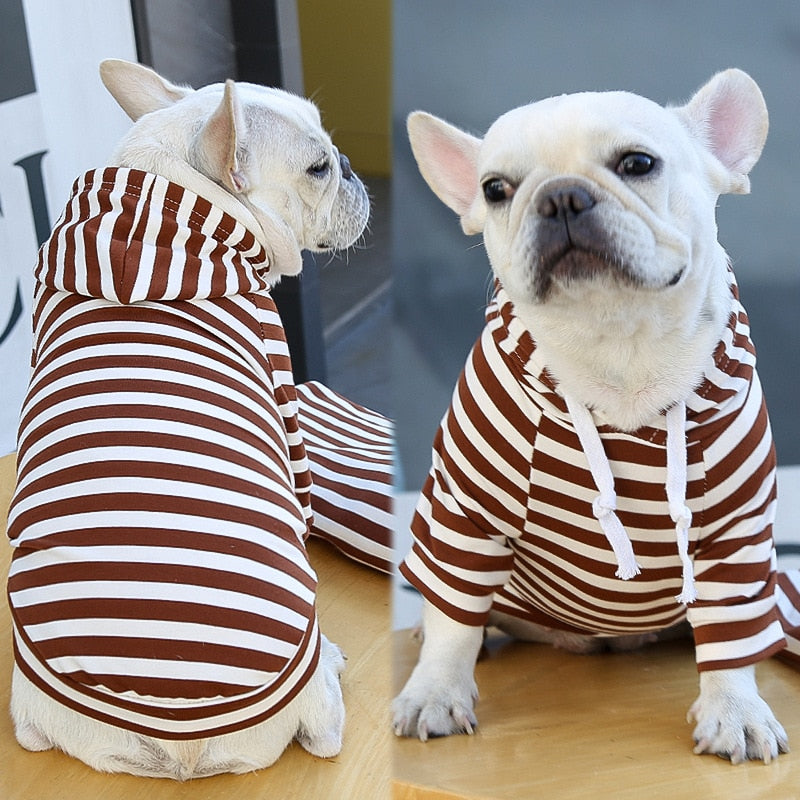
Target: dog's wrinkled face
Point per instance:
(294, 168)
(591, 188)
(598, 215)
(600, 191)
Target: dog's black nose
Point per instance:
(568, 201)
(347, 170)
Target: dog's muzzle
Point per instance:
(350, 213)
(564, 203)
(569, 241)
(572, 240)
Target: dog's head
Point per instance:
(585, 193)
(265, 147)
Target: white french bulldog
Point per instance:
(266, 148)
(598, 216)
(262, 156)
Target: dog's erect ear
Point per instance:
(448, 160)
(219, 140)
(218, 149)
(138, 89)
(730, 115)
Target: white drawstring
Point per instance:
(605, 504)
(676, 495)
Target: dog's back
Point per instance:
(163, 488)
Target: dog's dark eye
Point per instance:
(635, 164)
(319, 168)
(497, 190)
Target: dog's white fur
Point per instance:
(260, 145)
(315, 718)
(626, 334)
(262, 155)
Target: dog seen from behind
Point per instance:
(162, 599)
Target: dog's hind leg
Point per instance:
(322, 711)
(24, 705)
(41, 723)
(31, 738)
(315, 718)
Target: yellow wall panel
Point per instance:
(346, 48)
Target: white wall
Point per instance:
(75, 122)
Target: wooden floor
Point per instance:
(564, 727)
(353, 605)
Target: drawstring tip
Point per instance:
(688, 595)
(628, 572)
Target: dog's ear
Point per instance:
(219, 140)
(138, 89)
(729, 114)
(448, 161)
(218, 149)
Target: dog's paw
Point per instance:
(31, 738)
(439, 697)
(428, 710)
(732, 719)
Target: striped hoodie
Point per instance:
(532, 509)
(160, 580)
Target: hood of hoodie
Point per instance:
(127, 236)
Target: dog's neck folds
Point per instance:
(627, 363)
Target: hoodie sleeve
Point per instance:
(735, 618)
(475, 498)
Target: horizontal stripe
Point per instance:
(160, 668)
(745, 647)
(164, 486)
(165, 719)
(92, 592)
(510, 485)
(161, 630)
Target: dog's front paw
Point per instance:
(439, 697)
(427, 709)
(732, 719)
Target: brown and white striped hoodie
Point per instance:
(510, 517)
(160, 580)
